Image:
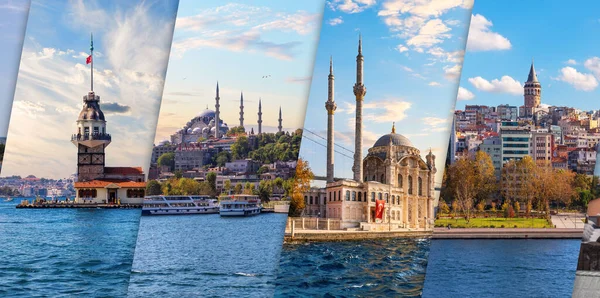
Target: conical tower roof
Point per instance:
(532, 76)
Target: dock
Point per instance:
(342, 235)
(78, 206)
(506, 233)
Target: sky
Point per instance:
(412, 51)
(237, 45)
(13, 20)
(505, 36)
(132, 42)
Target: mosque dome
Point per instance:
(207, 113)
(196, 130)
(189, 130)
(211, 123)
(163, 142)
(205, 130)
(397, 140)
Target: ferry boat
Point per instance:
(179, 205)
(240, 205)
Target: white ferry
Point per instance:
(240, 205)
(179, 205)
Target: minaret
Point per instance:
(280, 128)
(359, 93)
(242, 110)
(217, 114)
(91, 138)
(259, 116)
(532, 90)
(330, 106)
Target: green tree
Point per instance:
(167, 160)
(153, 188)
(227, 186)
(211, 179)
(265, 190)
(222, 158)
(178, 174)
(444, 209)
(238, 188)
(517, 208)
(241, 148)
(262, 170)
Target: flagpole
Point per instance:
(92, 58)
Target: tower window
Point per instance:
(399, 180)
(372, 196)
(347, 195)
(410, 185)
(420, 186)
(353, 196)
(360, 196)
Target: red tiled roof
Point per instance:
(124, 170)
(105, 182)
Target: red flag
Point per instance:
(88, 60)
(380, 206)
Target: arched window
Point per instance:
(420, 186)
(410, 185)
(387, 198)
(354, 196)
(382, 178)
(311, 200)
(366, 179)
(380, 196)
(339, 195)
(373, 197)
(306, 200)
(400, 180)
(329, 193)
(393, 200)
(360, 196)
(347, 195)
(374, 179)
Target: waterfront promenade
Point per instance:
(345, 235)
(507, 233)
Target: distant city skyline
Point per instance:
(264, 50)
(132, 42)
(13, 20)
(412, 60)
(505, 38)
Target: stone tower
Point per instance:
(532, 90)
(242, 109)
(217, 114)
(259, 116)
(91, 138)
(280, 127)
(330, 106)
(359, 93)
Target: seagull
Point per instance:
(184, 78)
(267, 76)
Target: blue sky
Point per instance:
(13, 19)
(132, 42)
(506, 35)
(237, 44)
(412, 51)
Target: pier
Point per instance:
(78, 206)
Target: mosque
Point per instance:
(205, 124)
(392, 188)
(97, 183)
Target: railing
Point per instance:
(91, 137)
(313, 223)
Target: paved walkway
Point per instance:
(568, 220)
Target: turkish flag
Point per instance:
(380, 206)
(88, 60)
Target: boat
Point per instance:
(8, 199)
(179, 205)
(240, 205)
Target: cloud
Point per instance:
(464, 94)
(380, 111)
(298, 80)
(350, 6)
(571, 62)
(335, 21)
(239, 27)
(115, 107)
(452, 73)
(436, 124)
(593, 64)
(401, 48)
(506, 84)
(481, 37)
(580, 81)
(434, 84)
(432, 33)
(136, 43)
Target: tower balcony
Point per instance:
(91, 140)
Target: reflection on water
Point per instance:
(388, 267)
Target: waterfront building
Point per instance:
(95, 182)
(393, 172)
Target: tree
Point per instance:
(481, 206)
(178, 174)
(517, 207)
(153, 188)
(211, 179)
(237, 130)
(227, 186)
(262, 170)
(300, 186)
(222, 158)
(238, 189)
(444, 209)
(188, 186)
(241, 148)
(167, 160)
(265, 190)
(463, 183)
(485, 178)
